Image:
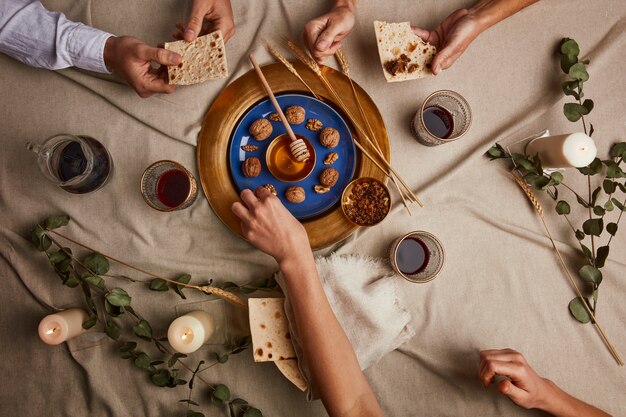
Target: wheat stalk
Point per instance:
(313, 66)
(533, 199)
(289, 67)
(218, 292)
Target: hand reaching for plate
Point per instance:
(269, 226)
(323, 35)
(207, 16)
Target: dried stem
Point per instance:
(533, 199)
(289, 67)
(218, 292)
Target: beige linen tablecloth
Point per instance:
(501, 285)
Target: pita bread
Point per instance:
(403, 55)
(289, 368)
(269, 329)
(203, 59)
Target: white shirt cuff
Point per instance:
(85, 46)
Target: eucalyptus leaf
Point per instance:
(111, 310)
(618, 204)
(608, 206)
(112, 330)
(601, 256)
(588, 104)
(599, 210)
(216, 401)
(579, 235)
(595, 167)
(591, 274)
(574, 111)
(611, 228)
(618, 150)
(591, 129)
(174, 358)
(72, 280)
(96, 263)
(569, 47)
(192, 402)
(158, 284)
(191, 413)
(247, 290)
(143, 330)
(594, 295)
(228, 285)
(57, 257)
(118, 297)
(556, 178)
(587, 253)
(579, 72)
(593, 227)
(54, 222)
(577, 309)
(239, 401)
(221, 358)
(143, 361)
(183, 279)
(90, 322)
(161, 378)
(522, 161)
(93, 280)
(594, 196)
(562, 207)
(582, 202)
(221, 392)
(253, 412)
(40, 239)
(609, 186)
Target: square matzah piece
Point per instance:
(269, 329)
(203, 59)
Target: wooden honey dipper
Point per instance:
(297, 147)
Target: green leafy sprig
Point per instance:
(90, 275)
(599, 202)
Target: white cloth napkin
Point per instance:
(362, 293)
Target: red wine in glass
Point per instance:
(438, 121)
(173, 188)
(412, 256)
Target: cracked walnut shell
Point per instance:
(331, 158)
(261, 129)
(295, 194)
(314, 125)
(329, 177)
(329, 137)
(320, 189)
(295, 115)
(268, 187)
(251, 167)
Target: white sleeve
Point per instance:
(40, 38)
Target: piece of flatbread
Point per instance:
(403, 55)
(203, 59)
(269, 329)
(289, 368)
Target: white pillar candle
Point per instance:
(188, 333)
(62, 326)
(561, 151)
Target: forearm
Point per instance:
(334, 367)
(490, 12)
(561, 404)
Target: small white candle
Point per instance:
(62, 326)
(562, 151)
(188, 333)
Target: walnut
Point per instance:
(314, 124)
(329, 137)
(320, 189)
(268, 187)
(251, 167)
(295, 194)
(331, 158)
(329, 177)
(261, 129)
(274, 117)
(249, 148)
(295, 115)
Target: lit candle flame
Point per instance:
(51, 331)
(186, 333)
(584, 148)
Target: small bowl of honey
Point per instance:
(283, 165)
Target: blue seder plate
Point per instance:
(314, 204)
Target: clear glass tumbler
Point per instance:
(445, 116)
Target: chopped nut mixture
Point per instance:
(368, 203)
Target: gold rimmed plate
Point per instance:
(234, 102)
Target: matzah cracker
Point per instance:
(269, 329)
(403, 54)
(203, 59)
(289, 368)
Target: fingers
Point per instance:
(160, 55)
(241, 212)
(422, 33)
(249, 199)
(512, 370)
(194, 24)
(517, 395)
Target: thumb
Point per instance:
(194, 25)
(160, 55)
(515, 394)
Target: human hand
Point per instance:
(453, 35)
(207, 16)
(323, 35)
(131, 59)
(524, 386)
(269, 226)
